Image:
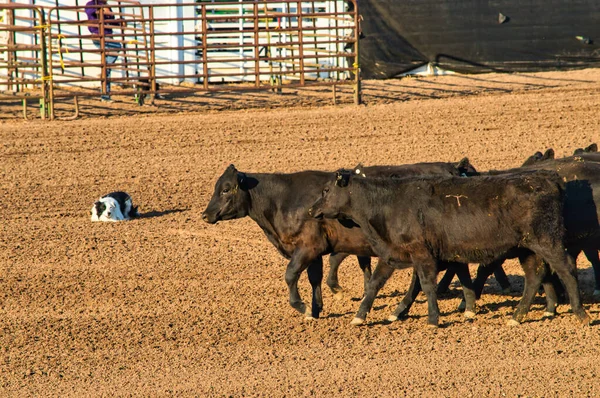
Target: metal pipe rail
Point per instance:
(219, 46)
(23, 67)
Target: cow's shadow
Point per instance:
(155, 213)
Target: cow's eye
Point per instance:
(225, 191)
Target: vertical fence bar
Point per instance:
(152, 76)
(77, 12)
(256, 47)
(46, 77)
(300, 42)
(49, 57)
(356, 65)
(104, 83)
(204, 46)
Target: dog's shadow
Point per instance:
(154, 213)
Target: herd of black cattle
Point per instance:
(431, 217)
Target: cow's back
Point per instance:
(581, 177)
(467, 219)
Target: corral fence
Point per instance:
(143, 50)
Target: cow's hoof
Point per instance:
(357, 321)
(338, 295)
(548, 314)
(512, 322)
(308, 315)
(432, 325)
(469, 315)
(300, 307)
(586, 321)
(462, 306)
(392, 318)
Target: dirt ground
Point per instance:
(168, 305)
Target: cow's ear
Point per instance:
(549, 154)
(359, 170)
(592, 148)
(246, 182)
(464, 163)
(465, 168)
(231, 169)
(338, 178)
(341, 179)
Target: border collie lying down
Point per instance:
(116, 206)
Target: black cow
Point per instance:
(539, 157)
(420, 222)
(592, 148)
(278, 204)
(581, 173)
(462, 168)
(581, 208)
(496, 266)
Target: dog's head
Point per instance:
(104, 210)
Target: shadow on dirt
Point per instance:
(152, 214)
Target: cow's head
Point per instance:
(465, 168)
(539, 157)
(335, 197)
(536, 157)
(230, 199)
(589, 148)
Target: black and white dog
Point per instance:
(116, 206)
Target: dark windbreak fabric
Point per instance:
(478, 36)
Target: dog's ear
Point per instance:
(97, 210)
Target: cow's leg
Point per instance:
(315, 277)
(483, 273)
(427, 272)
(502, 279)
(551, 296)
(444, 283)
(565, 268)
(592, 256)
(402, 309)
(364, 262)
(462, 271)
(534, 272)
(299, 262)
(382, 273)
(335, 259)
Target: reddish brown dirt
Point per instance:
(168, 305)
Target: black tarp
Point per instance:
(478, 36)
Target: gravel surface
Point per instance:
(168, 305)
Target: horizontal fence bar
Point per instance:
(211, 46)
